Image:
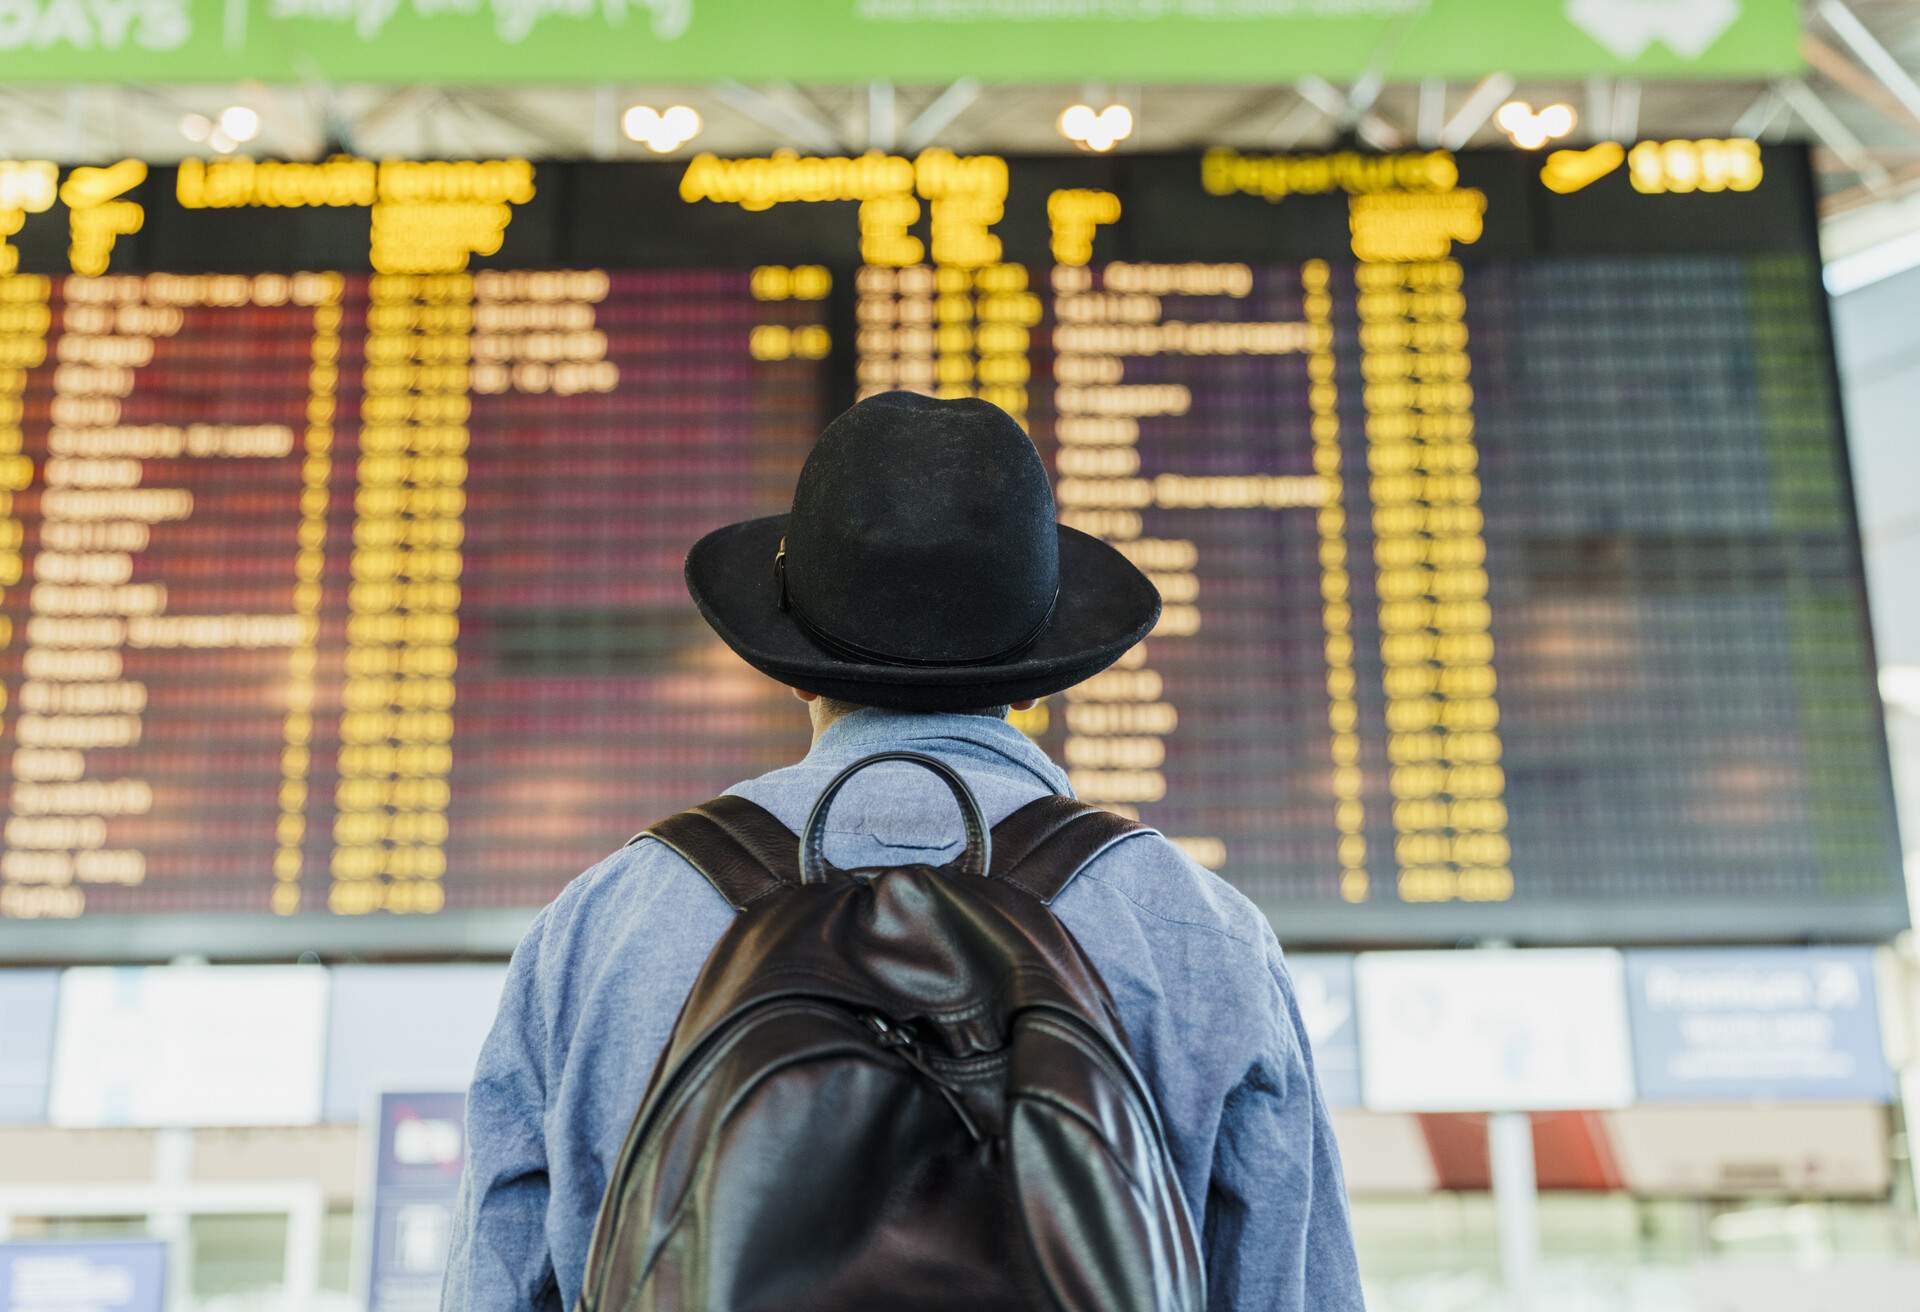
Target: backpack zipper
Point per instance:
(901, 1040)
(898, 1039)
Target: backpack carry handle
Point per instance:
(974, 860)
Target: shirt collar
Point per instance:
(980, 739)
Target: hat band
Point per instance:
(853, 651)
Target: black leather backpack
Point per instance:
(894, 1089)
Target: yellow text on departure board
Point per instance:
(1073, 215)
(98, 215)
(1657, 167)
(428, 216)
(1227, 172)
(26, 187)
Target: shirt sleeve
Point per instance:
(1277, 1233)
(498, 1256)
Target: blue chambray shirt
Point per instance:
(1194, 968)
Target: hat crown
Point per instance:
(923, 531)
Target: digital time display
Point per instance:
(1498, 502)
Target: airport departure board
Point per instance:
(1499, 503)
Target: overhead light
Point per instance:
(196, 127)
(1096, 130)
(240, 123)
(1530, 130)
(661, 130)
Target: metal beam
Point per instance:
(777, 114)
(839, 121)
(439, 105)
(1362, 94)
(79, 121)
(883, 122)
(1833, 134)
(375, 118)
(502, 107)
(939, 116)
(1899, 182)
(289, 119)
(1379, 133)
(1599, 115)
(1295, 124)
(606, 130)
(1350, 109)
(1366, 89)
(24, 103)
(1837, 68)
(331, 128)
(1432, 114)
(1825, 161)
(1475, 110)
(1759, 116)
(1878, 59)
(1248, 109)
(1322, 95)
(1626, 110)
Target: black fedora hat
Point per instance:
(921, 568)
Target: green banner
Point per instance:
(1157, 41)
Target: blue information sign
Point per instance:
(1756, 1025)
(98, 1275)
(1323, 985)
(418, 1156)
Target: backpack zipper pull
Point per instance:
(900, 1039)
(883, 1031)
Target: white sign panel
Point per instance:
(1493, 1031)
(189, 1045)
(417, 1027)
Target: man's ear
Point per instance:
(804, 695)
(1026, 705)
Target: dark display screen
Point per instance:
(1499, 504)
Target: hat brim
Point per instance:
(1106, 606)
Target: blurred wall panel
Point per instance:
(404, 1027)
(1809, 1150)
(27, 1000)
(1877, 336)
(1384, 1153)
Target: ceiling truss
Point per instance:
(1858, 101)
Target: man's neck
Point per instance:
(824, 713)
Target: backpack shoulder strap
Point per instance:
(736, 845)
(1043, 845)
